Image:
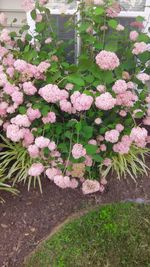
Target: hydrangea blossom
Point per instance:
(107, 60)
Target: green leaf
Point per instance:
(39, 130)
(78, 126)
(40, 26)
(89, 78)
(68, 134)
(97, 158)
(47, 126)
(63, 147)
(99, 11)
(91, 149)
(33, 14)
(22, 110)
(45, 110)
(112, 23)
(76, 79)
(87, 131)
(139, 115)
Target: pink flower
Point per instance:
(20, 65)
(21, 120)
(137, 24)
(123, 113)
(120, 28)
(146, 121)
(43, 66)
(3, 108)
(113, 10)
(134, 35)
(139, 48)
(17, 97)
(38, 18)
(52, 146)
(119, 127)
(33, 151)
(36, 169)
(143, 77)
(126, 99)
(88, 161)
(131, 85)
(98, 121)
(4, 36)
(103, 147)
(121, 148)
(62, 182)
(73, 183)
(14, 133)
(42, 142)
(43, 2)
(101, 88)
(50, 93)
(10, 89)
(112, 136)
(66, 106)
(90, 186)
(105, 101)
(10, 71)
(29, 88)
(120, 86)
(3, 19)
(33, 114)
(92, 142)
(107, 162)
(28, 138)
(48, 40)
(52, 172)
(78, 151)
(81, 102)
(138, 136)
(99, 2)
(50, 118)
(28, 5)
(107, 60)
(69, 86)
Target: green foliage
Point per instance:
(14, 163)
(131, 164)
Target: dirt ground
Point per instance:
(26, 219)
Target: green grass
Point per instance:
(112, 236)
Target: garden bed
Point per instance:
(28, 218)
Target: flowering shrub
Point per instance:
(74, 123)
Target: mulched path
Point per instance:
(26, 219)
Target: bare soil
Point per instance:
(28, 218)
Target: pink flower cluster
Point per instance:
(139, 48)
(126, 99)
(78, 151)
(107, 60)
(52, 94)
(133, 35)
(112, 136)
(120, 86)
(36, 169)
(81, 102)
(50, 118)
(113, 10)
(123, 147)
(105, 101)
(138, 136)
(143, 77)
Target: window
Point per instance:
(133, 8)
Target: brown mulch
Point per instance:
(29, 217)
